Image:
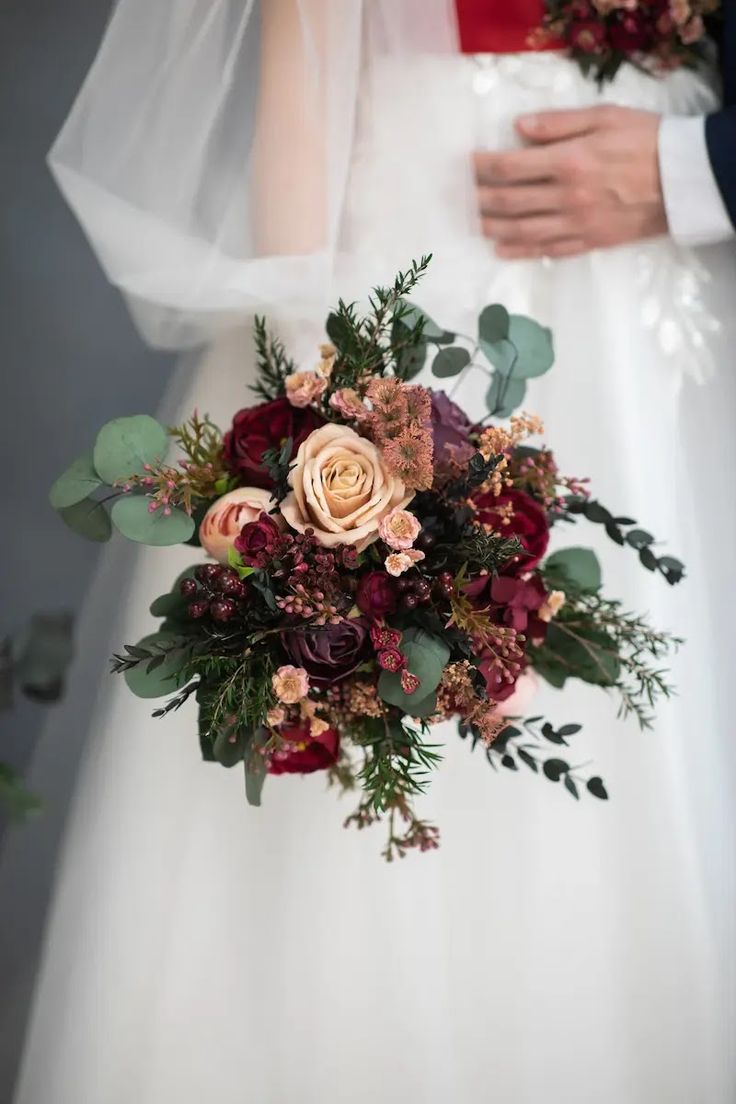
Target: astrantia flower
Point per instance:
(399, 529)
(290, 684)
(552, 605)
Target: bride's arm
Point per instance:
(290, 155)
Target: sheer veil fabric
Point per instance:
(548, 952)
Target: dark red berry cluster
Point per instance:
(214, 590)
(413, 591)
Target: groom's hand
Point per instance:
(588, 179)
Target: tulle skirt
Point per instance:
(550, 951)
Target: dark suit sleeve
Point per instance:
(720, 136)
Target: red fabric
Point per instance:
(499, 26)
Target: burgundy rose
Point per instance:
(516, 514)
(630, 31)
(450, 428)
(255, 538)
(588, 35)
(376, 595)
(328, 653)
(319, 752)
(257, 429)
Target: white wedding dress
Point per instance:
(550, 952)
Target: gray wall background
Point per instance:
(70, 360)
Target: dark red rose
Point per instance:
(317, 752)
(256, 537)
(588, 35)
(630, 31)
(328, 653)
(376, 595)
(257, 429)
(526, 520)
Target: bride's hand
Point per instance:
(588, 179)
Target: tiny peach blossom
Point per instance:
(290, 684)
(275, 717)
(399, 562)
(399, 529)
(347, 401)
(551, 607)
(327, 355)
(304, 388)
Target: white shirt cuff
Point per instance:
(695, 209)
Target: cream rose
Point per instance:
(340, 488)
(227, 516)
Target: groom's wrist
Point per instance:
(696, 213)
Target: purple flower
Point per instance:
(328, 653)
(450, 428)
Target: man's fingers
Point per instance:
(522, 199)
(533, 230)
(566, 247)
(524, 166)
(554, 126)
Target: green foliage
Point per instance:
(272, 362)
(638, 539)
(398, 762)
(505, 395)
(125, 445)
(523, 742)
(450, 362)
(89, 519)
(155, 666)
(132, 517)
(278, 465)
(79, 481)
(578, 566)
(255, 770)
(426, 656)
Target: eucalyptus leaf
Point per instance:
(89, 519)
(450, 362)
(596, 787)
(431, 331)
(125, 445)
(578, 565)
(132, 517)
(501, 354)
(167, 677)
(505, 396)
(79, 481)
(534, 346)
(493, 324)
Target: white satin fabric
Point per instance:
(550, 952)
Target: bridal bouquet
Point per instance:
(376, 563)
(657, 35)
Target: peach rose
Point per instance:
(340, 488)
(227, 516)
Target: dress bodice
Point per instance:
(498, 26)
